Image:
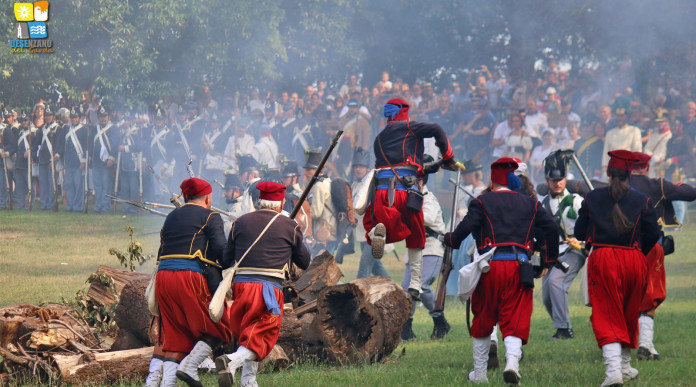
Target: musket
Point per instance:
(139, 205)
(305, 193)
(189, 168)
(85, 202)
(140, 175)
(174, 198)
(7, 172)
(149, 204)
(446, 267)
(7, 181)
(140, 167)
(118, 171)
(55, 185)
(29, 162)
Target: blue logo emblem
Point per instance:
(37, 30)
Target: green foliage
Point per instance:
(133, 254)
(141, 51)
(97, 316)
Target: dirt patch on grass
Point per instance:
(11, 236)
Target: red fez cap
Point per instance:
(398, 101)
(643, 160)
(622, 159)
(195, 187)
(402, 115)
(271, 191)
(501, 168)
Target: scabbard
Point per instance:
(392, 189)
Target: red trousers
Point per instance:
(251, 322)
(616, 281)
(656, 289)
(500, 298)
(400, 222)
(183, 299)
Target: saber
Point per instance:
(461, 187)
(446, 267)
(582, 171)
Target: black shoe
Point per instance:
(562, 334)
(493, 356)
(225, 378)
(186, 378)
(440, 328)
(511, 378)
(407, 331)
(645, 354)
(415, 294)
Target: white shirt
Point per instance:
(567, 224)
(627, 138)
(536, 123)
(266, 152)
(238, 146)
(501, 132)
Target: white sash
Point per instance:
(105, 147)
(157, 141)
(72, 134)
(45, 140)
(299, 136)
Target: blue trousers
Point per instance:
(46, 186)
(21, 189)
(368, 264)
(103, 184)
(3, 187)
(74, 186)
(129, 189)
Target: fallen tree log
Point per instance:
(104, 368)
(321, 273)
(393, 304)
(102, 295)
(132, 316)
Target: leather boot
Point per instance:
(440, 327)
(407, 331)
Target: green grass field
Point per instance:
(47, 256)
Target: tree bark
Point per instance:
(101, 295)
(321, 273)
(104, 368)
(394, 306)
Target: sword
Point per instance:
(461, 187)
(582, 171)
